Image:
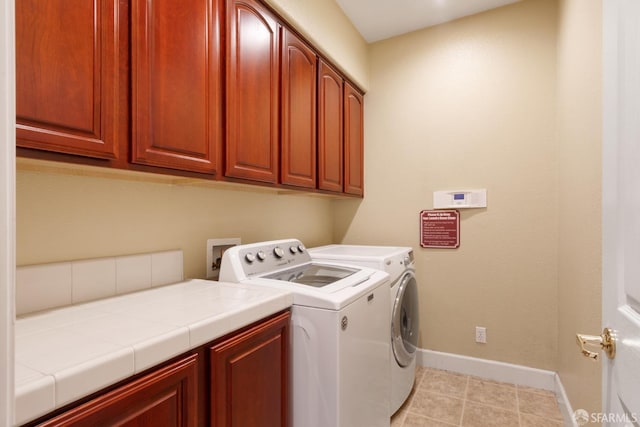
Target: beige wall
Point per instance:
(65, 217)
(579, 139)
(470, 104)
(324, 23)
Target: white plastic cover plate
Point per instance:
(460, 199)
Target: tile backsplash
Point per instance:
(45, 286)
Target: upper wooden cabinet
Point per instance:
(353, 141)
(252, 92)
(298, 112)
(208, 88)
(70, 86)
(330, 131)
(176, 84)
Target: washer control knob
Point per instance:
(301, 248)
(261, 255)
(293, 249)
(277, 251)
(250, 257)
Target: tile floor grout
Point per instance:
(464, 401)
(443, 399)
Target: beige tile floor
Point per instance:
(445, 399)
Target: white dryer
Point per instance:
(405, 318)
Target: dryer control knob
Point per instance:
(278, 252)
(407, 260)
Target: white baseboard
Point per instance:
(489, 369)
(565, 404)
(500, 371)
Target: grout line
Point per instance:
(464, 401)
(498, 384)
(518, 407)
(488, 405)
(527, 389)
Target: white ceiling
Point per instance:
(381, 19)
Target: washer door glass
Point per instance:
(405, 320)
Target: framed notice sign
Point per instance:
(440, 229)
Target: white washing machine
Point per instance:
(405, 320)
(339, 318)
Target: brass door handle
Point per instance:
(606, 342)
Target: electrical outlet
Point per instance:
(215, 249)
(481, 334)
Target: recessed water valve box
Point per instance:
(215, 249)
(460, 199)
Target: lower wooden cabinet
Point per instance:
(240, 380)
(166, 397)
(250, 376)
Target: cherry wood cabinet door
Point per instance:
(299, 99)
(330, 131)
(250, 377)
(353, 141)
(176, 84)
(166, 397)
(252, 92)
(70, 86)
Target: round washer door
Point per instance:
(405, 320)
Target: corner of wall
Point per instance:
(579, 124)
(324, 23)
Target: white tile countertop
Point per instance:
(67, 353)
